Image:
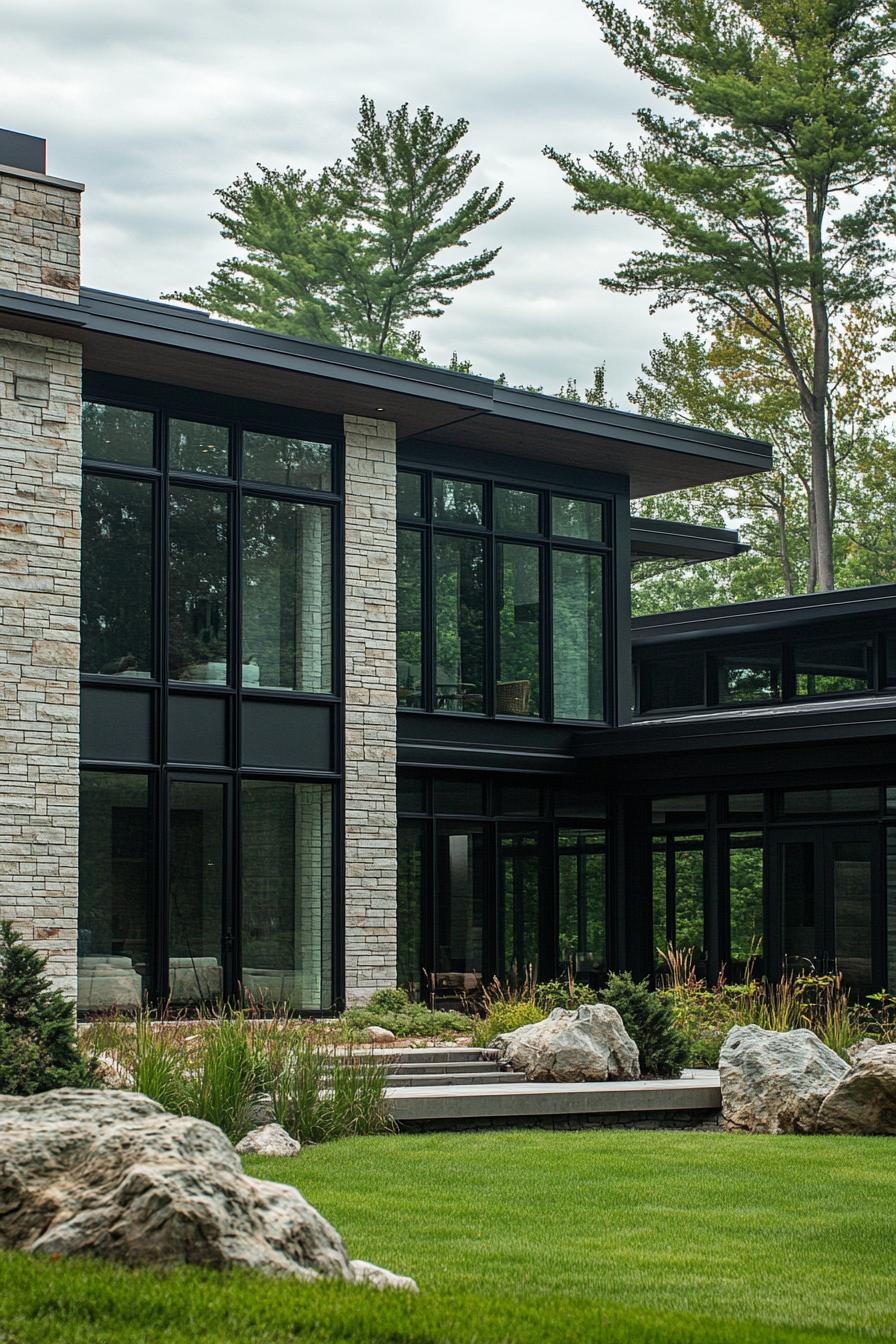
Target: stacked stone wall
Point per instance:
(40, 490)
(370, 702)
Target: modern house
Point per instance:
(318, 674)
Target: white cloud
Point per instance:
(155, 104)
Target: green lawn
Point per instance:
(531, 1236)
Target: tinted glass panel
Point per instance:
(580, 802)
(197, 585)
(852, 864)
(287, 595)
(518, 689)
(579, 518)
(797, 880)
(891, 660)
(196, 447)
(410, 495)
(411, 877)
(116, 577)
(197, 729)
(115, 434)
(458, 795)
(687, 807)
(832, 668)
(115, 879)
(459, 580)
(286, 855)
(891, 907)
(282, 460)
(516, 510)
(678, 896)
(582, 899)
(519, 903)
(810, 801)
(671, 683)
(517, 800)
(747, 678)
(196, 868)
(460, 904)
(745, 888)
(409, 661)
(458, 501)
(578, 636)
(745, 805)
(411, 793)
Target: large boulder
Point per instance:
(864, 1100)
(112, 1174)
(773, 1082)
(588, 1044)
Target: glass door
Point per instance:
(199, 919)
(522, 926)
(459, 910)
(825, 893)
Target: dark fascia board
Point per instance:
(777, 613)
(130, 322)
(658, 538)
(826, 723)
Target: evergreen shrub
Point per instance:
(38, 1036)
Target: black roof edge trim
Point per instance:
(770, 612)
(661, 538)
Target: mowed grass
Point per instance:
(532, 1237)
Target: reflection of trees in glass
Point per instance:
(582, 896)
(458, 501)
(409, 670)
(580, 518)
(287, 594)
(519, 885)
(516, 510)
(519, 629)
(745, 879)
(578, 635)
(459, 578)
(114, 865)
(116, 576)
(757, 677)
(678, 860)
(117, 434)
(410, 906)
(197, 584)
(282, 460)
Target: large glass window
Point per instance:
(518, 689)
(678, 896)
(578, 635)
(114, 885)
(519, 905)
(410, 885)
(280, 459)
(460, 904)
(196, 889)
(745, 896)
(287, 893)
(116, 577)
(831, 668)
(458, 501)
(287, 587)
(582, 900)
(193, 446)
(579, 518)
(197, 585)
(459, 586)
(117, 434)
(517, 510)
(409, 670)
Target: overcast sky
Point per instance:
(153, 104)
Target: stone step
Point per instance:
(422, 1056)
(445, 1066)
(496, 1077)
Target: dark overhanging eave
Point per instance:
(658, 538)
(127, 336)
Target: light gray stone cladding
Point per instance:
(40, 490)
(370, 699)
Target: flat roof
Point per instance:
(740, 618)
(658, 538)
(170, 343)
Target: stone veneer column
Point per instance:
(370, 722)
(40, 520)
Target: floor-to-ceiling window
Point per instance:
(209, 700)
(502, 599)
(498, 877)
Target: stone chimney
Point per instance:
(40, 562)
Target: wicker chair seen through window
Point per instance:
(513, 697)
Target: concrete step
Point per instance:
(446, 1066)
(490, 1079)
(425, 1054)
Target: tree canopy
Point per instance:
(354, 255)
(768, 185)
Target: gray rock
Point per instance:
(261, 1110)
(269, 1141)
(855, 1052)
(111, 1174)
(582, 1045)
(773, 1082)
(375, 1277)
(380, 1035)
(864, 1100)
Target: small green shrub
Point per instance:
(503, 1016)
(649, 1020)
(564, 994)
(393, 1010)
(38, 1037)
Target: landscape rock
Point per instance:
(864, 1100)
(270, 1140)
(261, 1110)
(111, 1174)
(855, 1052)
(581, 1045)
(380, 1035)
(773, 1082)
(375, 1277)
